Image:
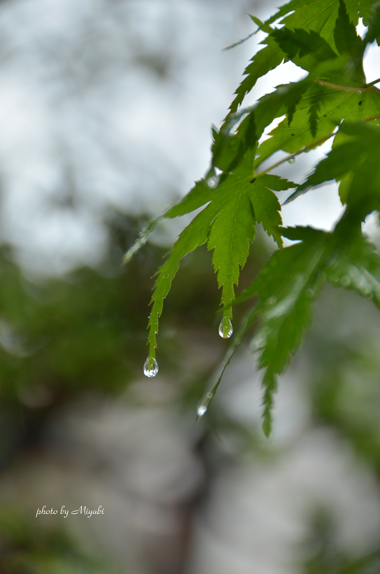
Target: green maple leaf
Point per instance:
(306, 48)
(323, 102)
(333, 107)
(228, 149)
(191, 237)
(349, 43)
(266, 205)
(319, 17)
(373, 23)
(227, 224)
(329, 30)
(286, 288)
(230, 235)
(356, 267)
(289, 284)
(356, 160)
(331, 101)
(242, 201)
(199, 195)
(263, 62)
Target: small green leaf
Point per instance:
(340, 161)
(356, 159)
(199, 195)
(270, 387)
(142, 238)
(230, 235)
(319, 16)
(286, 288)
(306, 48)
(334, 105)
(349, 43)
(266, 205)
(233, 229)
(357, 268)
(262, 26)
(263, 62)
(373, 23)
(191, 237)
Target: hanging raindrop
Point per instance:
(202, 409)
(213, 181)
(225, 328)
(345, 281)
(150, 367)
(292, 160)
(204, 404)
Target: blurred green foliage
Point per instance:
(28, 548)
(323, 554)
(86, 332)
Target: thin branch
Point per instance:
(209, 396)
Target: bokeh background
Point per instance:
(105, 113)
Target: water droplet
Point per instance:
(271, 300)
(202, 409)
(204, 404)
(213, 181)
(150, 367)
(225, 328)
(292, 160)
(309, 292)
(345, 281)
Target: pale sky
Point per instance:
(111, 104)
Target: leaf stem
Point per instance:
(365, 88)
(377, 117)
(292, 155)
(373, 83)
(142, 238)
(241, 41)
(308, 148)
(246, 323)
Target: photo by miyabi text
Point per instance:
(65, 512)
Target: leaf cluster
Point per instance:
(332, 101)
